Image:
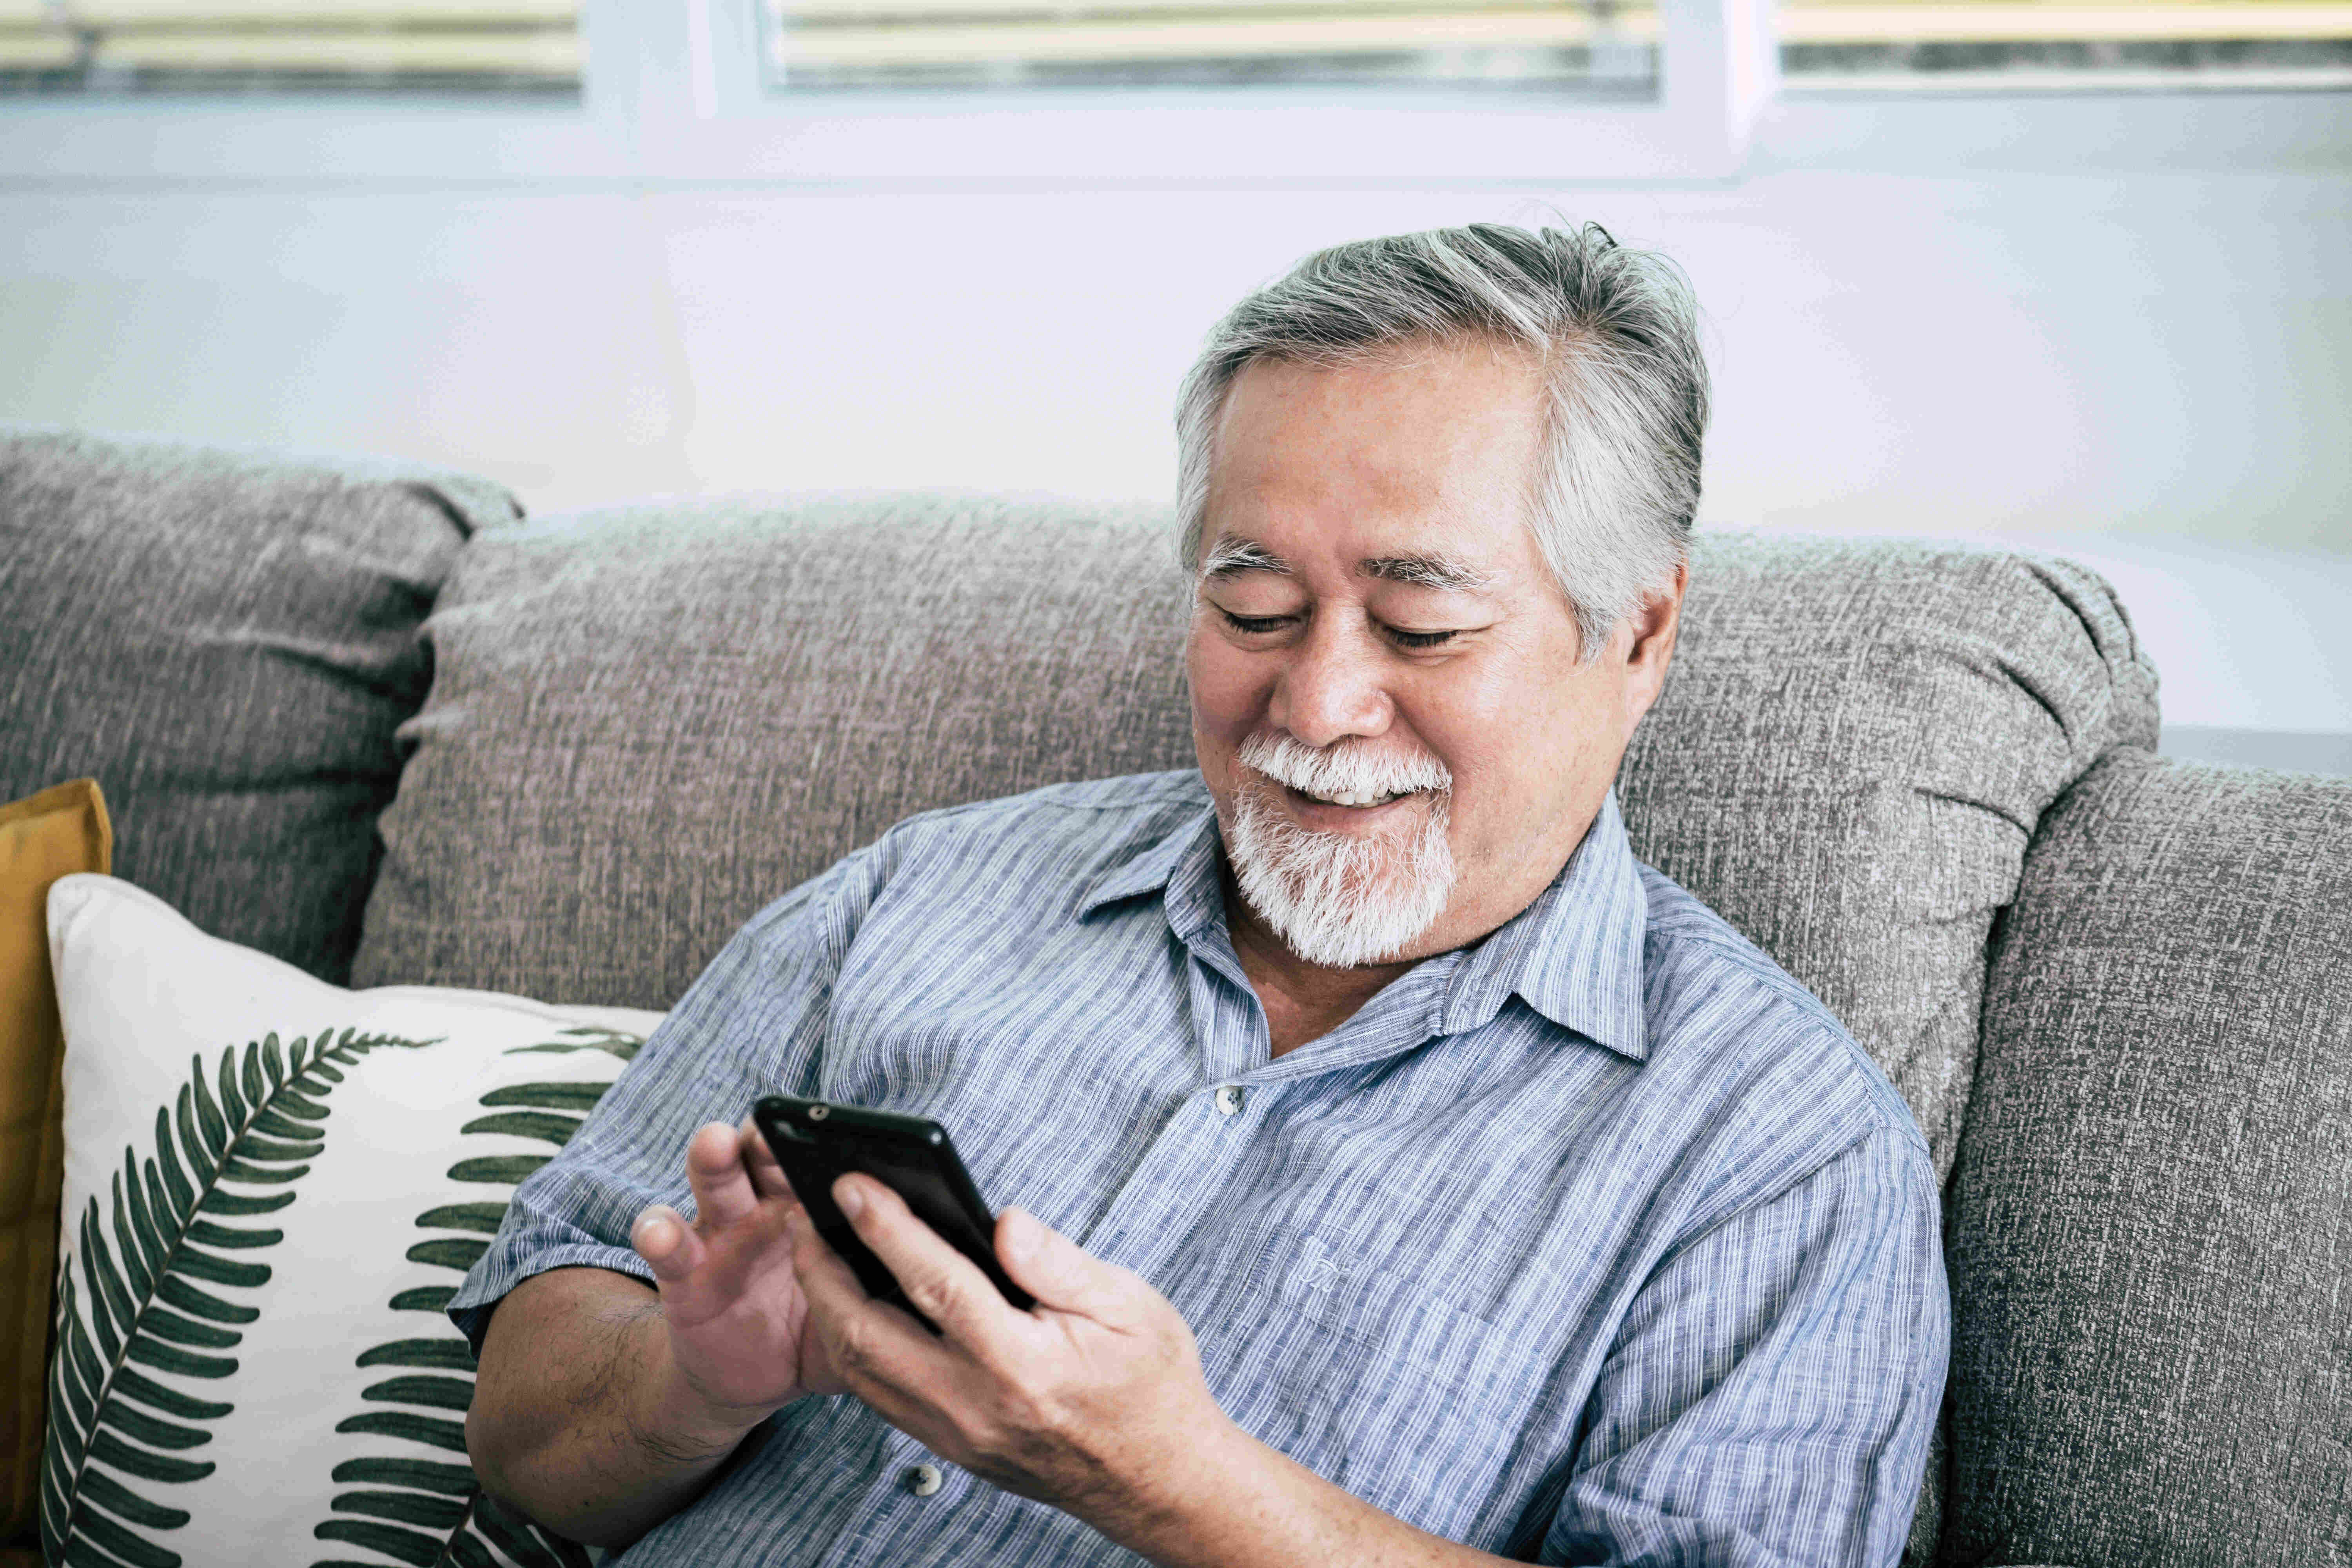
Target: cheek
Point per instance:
(1230, 694)
(1519, 749)
(1469, 716)
(1230, 689)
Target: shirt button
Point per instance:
(1229, 1098)
(923, 1480)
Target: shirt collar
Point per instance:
(1574, 955)
(1184, 864)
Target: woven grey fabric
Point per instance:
(1851, 754)
(649, 722)
(2151, 1228)
(227, 642)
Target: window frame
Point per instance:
(674, 93)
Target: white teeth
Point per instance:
(1350, 799)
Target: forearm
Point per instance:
(580, 1417)
(1233, 1502)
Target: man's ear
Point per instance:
(1655, 626)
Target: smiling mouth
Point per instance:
(1357, 801)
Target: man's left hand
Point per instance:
(1093, 1402)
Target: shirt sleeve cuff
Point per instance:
(500, 1270)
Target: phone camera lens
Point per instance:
(819, 1112)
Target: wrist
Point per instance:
(680, 1419)
(1180, 1509)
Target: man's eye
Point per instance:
(1254, 626)
(1420, 639)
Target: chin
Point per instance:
(1345, 897)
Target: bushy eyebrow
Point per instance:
(1230, 557)
(1440, 572)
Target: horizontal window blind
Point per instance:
(1828, 21)
(2066, 43)
(1606, 48)
(1597, 48)
(515, 45)
(1601, 49)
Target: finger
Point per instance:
(944, 1285)
(666, 1243)
(768, 1177)
(825, 1280)
(873, 1347)
(723, 1194)
(1057, 1270)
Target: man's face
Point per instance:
(1387, 695)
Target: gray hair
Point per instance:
(1614, 331)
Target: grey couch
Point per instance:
(365, 716)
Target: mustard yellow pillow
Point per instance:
(54, 834)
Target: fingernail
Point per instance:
(850, 1196)
(653, 1235)
(1022, 1232)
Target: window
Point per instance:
(2009, 45)
(266, 46)
(1590, 48)
(1060, 90)
(1583, 48)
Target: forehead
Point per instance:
(1426, 452)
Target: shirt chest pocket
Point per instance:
(1376, 1384)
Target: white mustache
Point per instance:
(1348, 768)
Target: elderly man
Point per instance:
(1403, 1173)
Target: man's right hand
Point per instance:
(601, 1406)
(739, 1328)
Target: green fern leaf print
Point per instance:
(150, 1286)
(588, 1038)
(427, 1509)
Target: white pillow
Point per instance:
(289, 1391)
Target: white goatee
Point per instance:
(1337, 898)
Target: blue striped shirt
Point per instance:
(1597, 1241)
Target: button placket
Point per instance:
(1181, 1174)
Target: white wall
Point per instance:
(2120, 324)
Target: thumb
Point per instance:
(1051, 1267)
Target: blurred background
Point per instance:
(2071, 275)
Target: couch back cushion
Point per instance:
(227, 642)
(1854, 745)
(2151, 1228)
(645, 723)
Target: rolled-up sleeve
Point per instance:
(753, 1024)
(1770, 1395)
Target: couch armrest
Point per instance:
(2150, 1220)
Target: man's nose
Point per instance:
(1332, 687)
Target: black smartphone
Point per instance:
(817, 1143)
